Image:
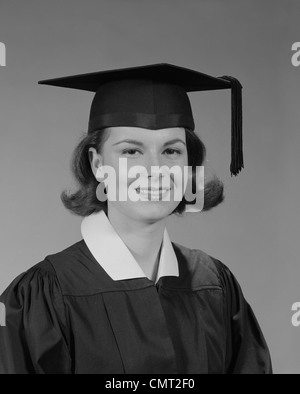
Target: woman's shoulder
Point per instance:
(76, 270)
(51, 271)
(55, 263)
(200, 268)
(36, 279)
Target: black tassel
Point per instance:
(237, 160)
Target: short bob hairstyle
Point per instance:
(84, 201)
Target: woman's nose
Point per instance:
(153, 160)
(156, 169)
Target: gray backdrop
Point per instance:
(256, 231)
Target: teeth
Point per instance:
(153, 194)
(152, 191)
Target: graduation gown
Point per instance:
(66, 315)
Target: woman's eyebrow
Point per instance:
(138, 143)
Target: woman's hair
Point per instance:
(84, 201)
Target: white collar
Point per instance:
(113, 255)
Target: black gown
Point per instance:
(66, 315)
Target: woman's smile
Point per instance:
(153, 194)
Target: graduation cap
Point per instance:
(154, 97)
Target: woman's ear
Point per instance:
(96, 161)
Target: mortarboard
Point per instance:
(154, 97)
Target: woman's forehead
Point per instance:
(117, 134)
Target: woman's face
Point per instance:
(145, 148)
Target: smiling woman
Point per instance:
(85, 202)
(125, 299)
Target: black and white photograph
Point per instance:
(150, 186)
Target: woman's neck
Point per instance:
(144, 240)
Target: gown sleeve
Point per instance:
(33, 340)
(247, 351)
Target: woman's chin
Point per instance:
(148, 209)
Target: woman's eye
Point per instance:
(173, 151)
(130, 152)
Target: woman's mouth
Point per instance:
(153, 194)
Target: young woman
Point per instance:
(125, 299)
